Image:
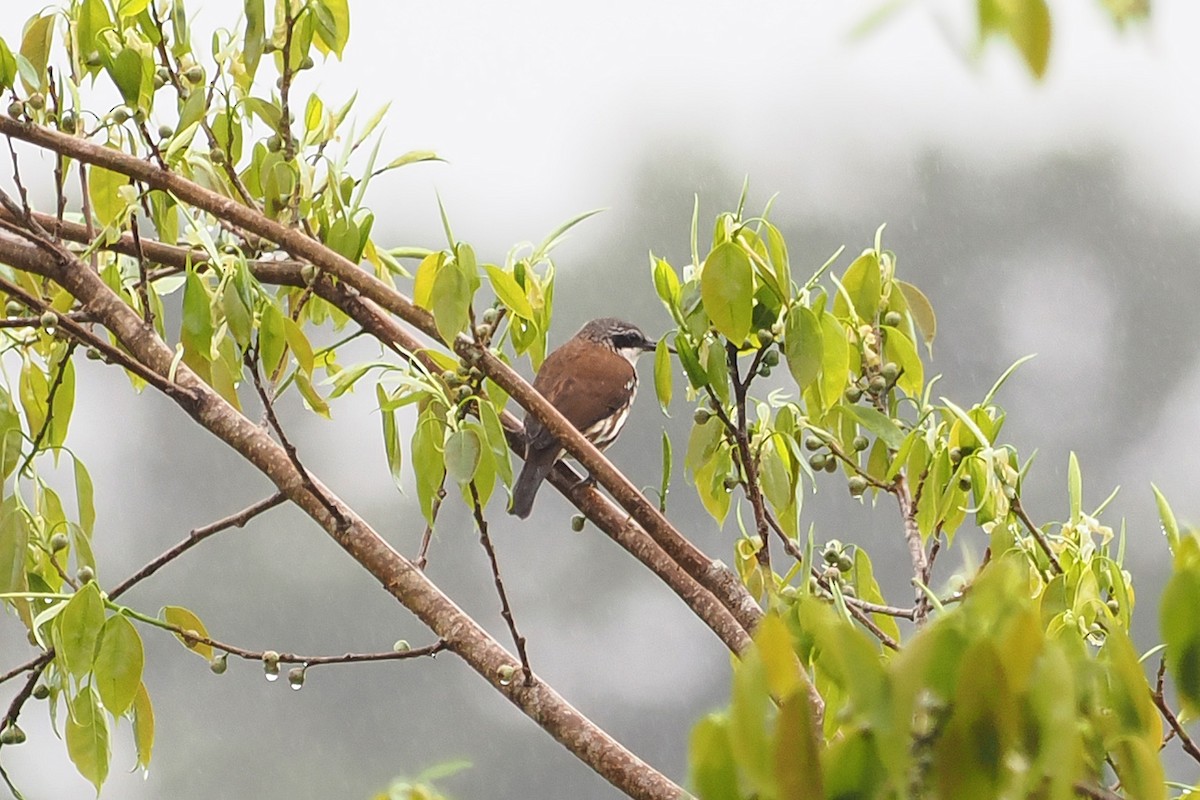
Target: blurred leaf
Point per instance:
(1169, 526)
(713, 771)
(104, 190)
(1074, 488)
(14, 541)
(333, 25)
(727, 288)
(1180, 624)
(900, 350)
(254, 38)
(391, 435)
(921, 310)
(835, 360)
(35, 48)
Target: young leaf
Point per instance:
(509, 292)
(727, 288)
(391, 435)
(802, 345)
(79, 627)
(118, 666)
(462, 454)
(185, 620)
(663, 375)
(1165, 514)
(143, 726)
(87, 738)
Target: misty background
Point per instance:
(1058, 218)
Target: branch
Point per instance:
(749, 463)
(194, 538)
(379, 323)
(505, 608)
(916, 549)
(1160, 700)
(717, 578)
(400, 577)
(1037, 534)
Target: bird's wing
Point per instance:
(584, 398)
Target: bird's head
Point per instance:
(625, 338)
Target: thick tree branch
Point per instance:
(714, 576)
(599, 509)
(396, 574)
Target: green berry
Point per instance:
(14, 309)
(892, 319)
(877, 385)
(165, 131)
(701, 416)
(831, 464)
(813, 442)
(59, 542)
(309, 274)
(194, 74)
(120, 115)
(93, 59)
(765, 337)
(832, 551)
(857, 484)
(217, 156)
(771, 358)
(93, 354)
(158, 82)
(490, 316)
(504, 673)
(956, 455)
(274, 143)
(139, 115)
(401, 646)
(41, 691)
(48, 320)
(16, 109)
(296, 677)
(219, 664)
(860, 443)
(764, 371)
(307, 63)
(964, 483)
(730, 483)
(817, 461)
(845, 563)
(85, 574)
(270, 657)
(890, 371)
(483, 330)
(852, 394)
(12, 735)
(577, 522)
(68, 122)
(37, 101)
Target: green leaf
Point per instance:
(921, 310)
(126, 72)
(197, 330)
(899, 349)
(749, 707)
(835, 360)
(1167, 516)
(237, 316)
(664, 487)
(8, 67)
(333, 25)
(272, 338)
(87, 738)
(1180, 626)
(143, 726)
(710, 756)
(802, 345)
(35, 48)
(118, 665)
(509, 292)
(1140, 769)
(131, 8)
(862, 283)
(79, 627)
(14, 541)
(663, 375)
(1074, 488)
(104, 190)
(185, 620)
(462, 454)
(496, 440)
(35, 392)
(428, 463)
(727, 289)
(413, 157)
(451, 301)
(666, 283)
(299, 344)
(391, 435)
(254, 39)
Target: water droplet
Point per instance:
(272, 676)
(506, 681)
(297, 687)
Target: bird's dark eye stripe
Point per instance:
(627, 340)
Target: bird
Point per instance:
(591, 380)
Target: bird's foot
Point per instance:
(587, 483)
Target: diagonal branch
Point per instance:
(397, 575)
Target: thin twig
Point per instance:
(749, 462)
(251, 360)
(143, 281)
(49, 420)
(1160, 700)
(23, 694)
(1037, 534)
(422, 559)
(505, 608)
(194, 538)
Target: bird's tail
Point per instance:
(530, 480)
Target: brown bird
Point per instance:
(592, 382)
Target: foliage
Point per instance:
(1021, 681)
